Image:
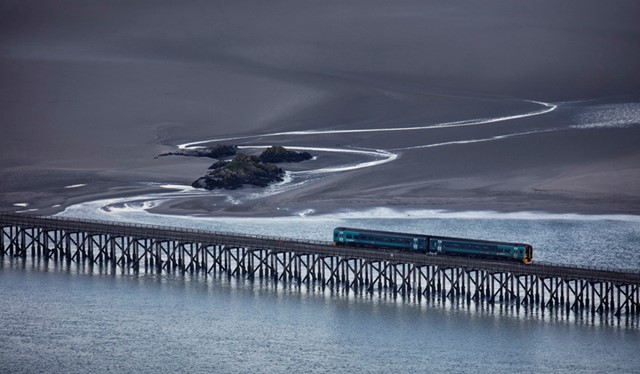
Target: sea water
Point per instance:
(65, 318)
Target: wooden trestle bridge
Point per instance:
(166, 249)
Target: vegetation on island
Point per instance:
(242, 170)
(277, 154)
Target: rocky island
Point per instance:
(244, 169)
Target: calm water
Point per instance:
(66, 319)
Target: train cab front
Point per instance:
(528, 254)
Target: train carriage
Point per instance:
(481, 248)
(379, 239)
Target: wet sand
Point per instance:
(92, 92)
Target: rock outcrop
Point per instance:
(278, 154)
(242, 170)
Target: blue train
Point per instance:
(345, 236)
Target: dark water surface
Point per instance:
(65, 318)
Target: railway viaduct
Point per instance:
(569, 289)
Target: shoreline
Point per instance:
(270, 207)
(198, 206)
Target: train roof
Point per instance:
(475, 240)
(379, 232)
(426, 236)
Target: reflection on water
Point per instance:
(295, 289)
(104, 319)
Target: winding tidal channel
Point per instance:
(361, 158)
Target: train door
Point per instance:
(434, 245)
(339, 237)
(437, 246)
